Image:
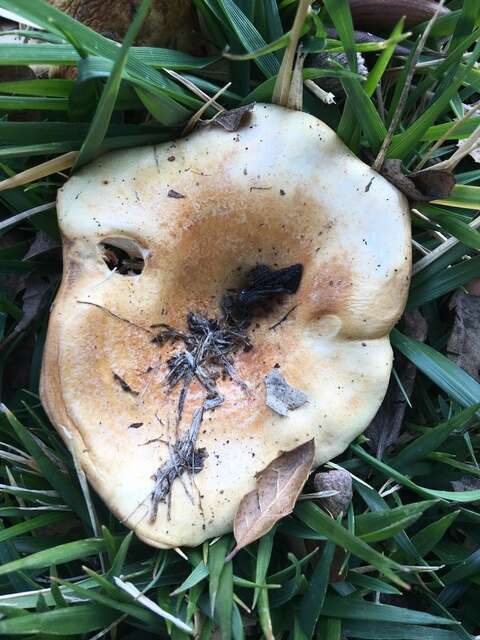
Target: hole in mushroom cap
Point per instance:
(123, 255)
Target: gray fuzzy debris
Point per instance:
(339, 481)
(280, 396)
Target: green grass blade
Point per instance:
(60, 622)
(444, 373)
(317, 520)
(449, 222)
(216, 561)
(381, 525)
(56, 555)
(355, 609)
(61, 482)
(312, 600)
(30, 525)
(433, 438)
(390, 472)
(249, 37)
(463, 196)
(374, 630)
(372, 584)
(93, 142)
(197, 575)
(428, 537)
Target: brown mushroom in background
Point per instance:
(169, 24)
(381, 15)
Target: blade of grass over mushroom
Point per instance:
(465, 23)
(339, 12)
(450, 65)
(103, 113)
(319, 521)
(281, 43)
(342, 20)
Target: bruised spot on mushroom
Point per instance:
(135, 425)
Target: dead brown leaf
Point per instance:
(434, 183)
(42, 243)
(232, 120)
(424, 186)
(385, 427)
(278, 487)
(36, 289)
(463, 345)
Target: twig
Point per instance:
(193, 88)
(379, 160)
(468, 146)
(198, 114)
(277, 324)
(324, 96)
(295, 95)
(281, 90)
(111, 313)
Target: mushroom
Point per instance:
(156, 240)
(166, 23)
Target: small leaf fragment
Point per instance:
(280, 396)
(278, 487)
(174, 194)
(233, 119)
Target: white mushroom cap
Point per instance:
(282, 190)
